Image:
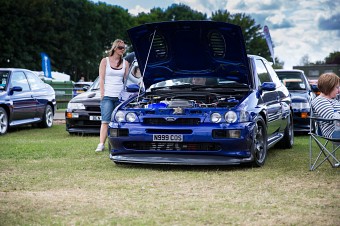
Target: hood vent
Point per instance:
(217, 44)
(159, 47)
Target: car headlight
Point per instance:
(215, 117)
(244, 116)
(75, 106)
(300, 105)
(131, 117)
(119, 117)
(230, 116)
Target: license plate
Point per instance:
(95, 117)
(168, 137)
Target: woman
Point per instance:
(112, 70)
(325, 104)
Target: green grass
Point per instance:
(48, 177)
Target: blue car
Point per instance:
(25, 99)
(206, 102)
(301, 94)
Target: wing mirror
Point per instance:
(266, 86)
(15, 89)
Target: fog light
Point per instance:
(113, 132)
(234, 133)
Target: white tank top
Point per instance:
(113, 82)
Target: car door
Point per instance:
(39, 91)
(270, 98)
(23, 104)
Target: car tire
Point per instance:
(47, 120)
(288, 137)
(260, 147)
(3, 121)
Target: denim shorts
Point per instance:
(107, 105)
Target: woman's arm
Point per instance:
(102, 68)
(127, 65)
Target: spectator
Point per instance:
(325, 104)
(112, 69)
(82, 79)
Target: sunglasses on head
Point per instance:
(120, 47)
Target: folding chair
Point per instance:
(327, 147)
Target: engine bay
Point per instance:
(187, 100)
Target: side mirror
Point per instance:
(132, 88)
(85, 88)
(314, 88)
(267, 86)
(15, 89)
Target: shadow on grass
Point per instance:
(194, 168)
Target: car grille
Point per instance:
(171, 146)
(93, 108)
(178, 121)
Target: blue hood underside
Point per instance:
(183, 49)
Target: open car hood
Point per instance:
(182, 49)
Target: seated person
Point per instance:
(325, 104)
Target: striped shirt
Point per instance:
(324, 108)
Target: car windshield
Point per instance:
(95, 84)
(3, 79)
(293, 81)
(197, 83)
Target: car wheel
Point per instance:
(3, 121)
(288, 137)
(47, 120)
(260, 143)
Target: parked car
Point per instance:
(314, 85)
(24, 99)
(301, 94)
(83, 111)
(242, 109)
(80, 87)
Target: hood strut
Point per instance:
(146, 63)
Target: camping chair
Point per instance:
(326, 148)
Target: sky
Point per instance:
(297, 27)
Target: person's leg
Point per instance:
(106, 107)
(103, 132)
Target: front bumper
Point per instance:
(175, 159)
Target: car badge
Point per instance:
(178, 110)
(170, 119)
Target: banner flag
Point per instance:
(269, 41)
(46, 65)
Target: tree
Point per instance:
(76, 33)
(305, 60)
(252, 32)
(333, 58)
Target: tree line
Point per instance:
(76, 33)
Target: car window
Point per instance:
(292, 80)
(19, 79)
(262, 72)
(35, 82)
(273, 75)
(3, 79)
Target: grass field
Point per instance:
(48, 177)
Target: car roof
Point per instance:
(180, 49)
